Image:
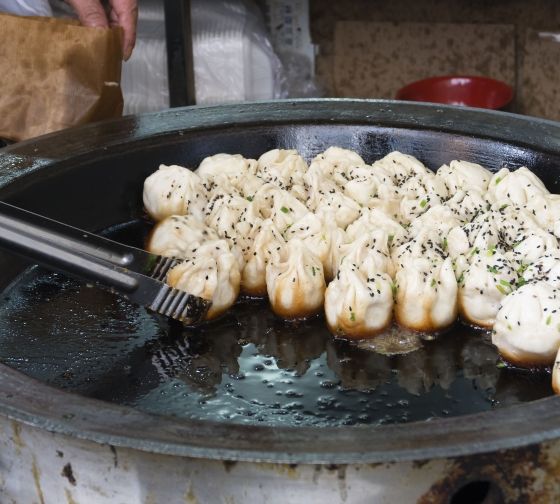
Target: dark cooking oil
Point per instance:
(248, 367)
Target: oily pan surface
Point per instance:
(249, 367)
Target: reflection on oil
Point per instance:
(249, 366)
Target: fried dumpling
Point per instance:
(527, 326)
(326, 198)
(466, 205)
(362, 183)
(174, 190)
(266, 245)
(426, 297)
(357, 305)
(225, 212)
(426, 288)
(497, 226)
(285, 168)
(337, 239)
(229, 174)
(401, 167)
(279, 205)
(420, 193)
(471, 238)
(531, 244)
(545, 269)
(545, 209)
(296, 285)
(483, 285)
(230, 165)
(514, 187)
(314, 233)
(373, 218)
(439, 218)
(333, 158)
(176, 236)
(211, 272)
(464, 176)
(369, 253)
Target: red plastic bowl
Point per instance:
(470, 91)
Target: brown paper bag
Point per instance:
(55, 74)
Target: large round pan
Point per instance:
(92, 177)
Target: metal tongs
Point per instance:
(133, 273)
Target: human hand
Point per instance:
(122, 13)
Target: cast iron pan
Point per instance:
(78, 361)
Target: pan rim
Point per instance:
(27, 400)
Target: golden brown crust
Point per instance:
(555, 377)
(357, 331)
(299, 309)
(254, 291)
(472, 321)
(150, 236)
(214, 313)
(535, 362)
(426, 325)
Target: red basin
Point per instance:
(469, 91)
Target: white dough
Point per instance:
(545, 209)
(230, 165)
(285, 168)
(296, 285)
(266, 245)
(527, 328)
(545, 269)
(400, 167)
(484, 284)
(211, 272)
(514, 187)
(173, 190)
(462, 175)
(176, 236)
(372, 219)
(358, 305)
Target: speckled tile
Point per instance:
(373, 60)
(539, 81)
(543, 14)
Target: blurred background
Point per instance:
(221, 51)
(245, 50)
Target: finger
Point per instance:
(124, 13)
(90, 12)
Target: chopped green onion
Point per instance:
(475, 250)
(444, 244)
(423, 203)
(498, 180)
(433, 283)
(548, 320)
(503, 207)
(250, 198)
(492, 269)
(284, 209)
(502, 290)
(353, 317)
